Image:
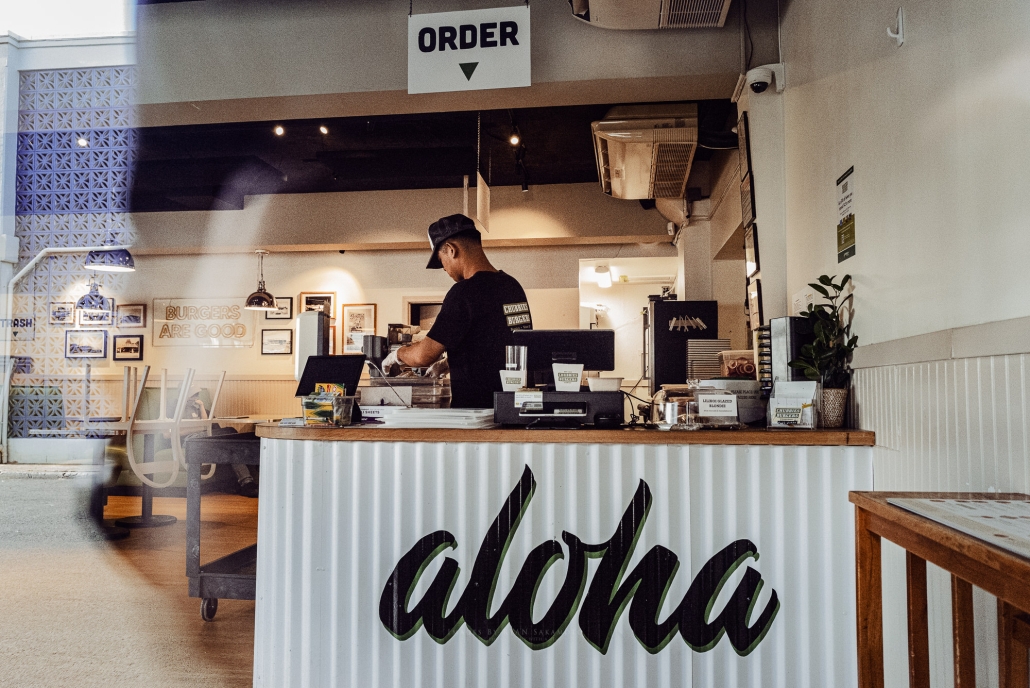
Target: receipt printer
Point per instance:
(549, 409)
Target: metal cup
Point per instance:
(516, 357)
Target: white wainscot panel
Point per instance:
(336, 518)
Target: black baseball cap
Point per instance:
(442, 230)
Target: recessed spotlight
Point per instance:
(82, 141)
(279, 131)
(324, 129)
(515, 139)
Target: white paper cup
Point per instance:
(513, 380)
(567, 376)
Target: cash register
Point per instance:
(539, 405)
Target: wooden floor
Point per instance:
(223, 650)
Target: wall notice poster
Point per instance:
(203, 322)
(469, 50)
(846, 215)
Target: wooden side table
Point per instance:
(970, 561)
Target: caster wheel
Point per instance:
(208, 607)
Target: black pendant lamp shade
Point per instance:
(261, 300)
(116, 260)
(93, 301)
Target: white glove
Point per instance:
(389, 362)
(438, 369)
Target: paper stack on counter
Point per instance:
(469, 419)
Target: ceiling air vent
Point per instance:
(652, 14)
(645, 151)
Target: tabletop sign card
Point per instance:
(719, 405)
(468, 51)
(203, 322)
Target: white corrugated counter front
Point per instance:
(337, 516)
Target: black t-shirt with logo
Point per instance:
(475, 323)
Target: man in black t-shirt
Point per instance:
(476, 320)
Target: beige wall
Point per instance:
(223, 50)
(938, 132)
(557, 211)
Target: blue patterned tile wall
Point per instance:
(76, 146)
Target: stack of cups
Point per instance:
(513, 377)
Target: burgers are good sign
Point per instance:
(468, 51)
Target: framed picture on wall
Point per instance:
(332, 340)
(754, 302)
(94, 319)
(285, 310)
(62, 312)
(127, 347)
(747, 201)
(751, 265)
(85, 344)
(359, 319)
(744, 145)
(324, 301)
(130, 316)
(276, 342)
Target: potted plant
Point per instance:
(828, 358)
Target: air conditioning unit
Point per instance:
(652, 14)
(645, 151)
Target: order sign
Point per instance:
(468, 51)
(203, 322)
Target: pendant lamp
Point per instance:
(116, 260)
(93, 301)
(261, 300)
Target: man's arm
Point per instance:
(420, 354)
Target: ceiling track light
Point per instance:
(279, 130)
(324, 129)
(261, 300)
(515, 138)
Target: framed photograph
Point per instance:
(85, 343)
(130, 316)
(324, 301)
(103, 319)
(359, 319)
(754, 300)
(276, 342)
(285, 312)
(744, 145)
(62, 312)
(127, 347)
(751, 264)
(332, 340)
(747, 201)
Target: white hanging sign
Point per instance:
(468, 51)
(203, 322)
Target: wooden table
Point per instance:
(970, 561)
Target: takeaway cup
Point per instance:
(567, 376)
(513, 380)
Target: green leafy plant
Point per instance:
(828, 358)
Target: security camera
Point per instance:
(759, 78)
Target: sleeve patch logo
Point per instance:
(518, 316)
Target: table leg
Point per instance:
(147, 518)
(1013, 638)
(870, 603)
(962, 631)
(918, 624)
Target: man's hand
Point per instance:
(389, 362)
(439, 369)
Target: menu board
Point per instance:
(203, 322)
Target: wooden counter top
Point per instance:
(807, 438)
